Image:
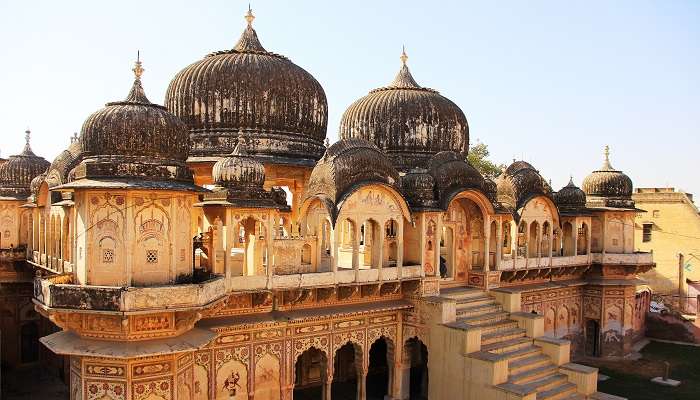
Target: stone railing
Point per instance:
(544, 262)
(630, 258)
(57, 292)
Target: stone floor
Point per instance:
(33, 383)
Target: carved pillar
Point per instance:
(436, 246)
(356, 250)
(604, 229)
(269, 239)
(539, 243)
(514, 240)
(328, 384)
(487, 244)
(378, 243)
(574, 233)
(399, 248)
(588, 239)
(499, 242)
(335, 244)
(362, 384)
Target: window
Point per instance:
(646, 232)
(152, 256)
(107, 256)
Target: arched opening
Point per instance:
(29, 346)
(545, 241)
(310, 377)
(325, 245)
(306, 254)
(493, 245)
(556, 243)
(417, 354)
(379, 371)
(347, 243)
(568, 239)
(370, 243)
(592, 334)
(507, 240)
(347, 365)
(391, 233)
(582, 239)
(522, 239)
(533, 240)
(447, 252)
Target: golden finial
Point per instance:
(249, 16)
(403, 57)
(27, 136)
(138, 70)
(606, 152)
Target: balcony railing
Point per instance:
(629, 258)
(58, 292)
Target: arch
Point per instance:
(493, 246)
(267, 377)
(391, 250)
(533, 239)
(561, 325)
(557, 249)
(549, 321)
(582, 239)
(370, 239)
(447, 252)
(567, 239)
(507, 240)
(311, 375)
(348, 243)
(416, 355)
(382, 188)
(522, 238)
(476, 196)
(546, 240)
(379, 372)
(306, 254)
(347, 371)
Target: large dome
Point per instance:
(608, 187)
(408, 122)
(17, 172)
(131, 139)
(279, 106)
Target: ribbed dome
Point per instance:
(453, 174)
(239, 170)
(408, 122)
(419, 188)
(519, 183)
(607, 181)
(347, 165)
(279, 106)
(570, 197)
(61, 166)
(17, 172)
(134, 139)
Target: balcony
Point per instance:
(544, 262)
(624, 259)
(59, 292)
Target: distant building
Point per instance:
(670, 226)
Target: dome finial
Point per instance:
(403, 57)
(606, 158)
(74, 138)
(138, 69)
(240, 148)
(249, 17)
(27, 138)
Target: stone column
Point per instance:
(362, 384)
(329, 382)
(436, 245)
(378, 244)
(499, 242)
(539, 243)
(399, 248)
(604, 229)
(574, 233)
(335, 245)
(513, 240)
(588, 239)
(487, 245)
(356, 250)
(269, 239)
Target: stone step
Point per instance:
(501, 325)
(474, 301)
(486, 319)
(503, 336)
(462, 293)
(520, 353)
(533, 375)
(507, 345)
(468, 310)
(528, 363)
(548, 382)
(563, 391)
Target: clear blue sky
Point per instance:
(550, 82)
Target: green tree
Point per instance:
(478, 158)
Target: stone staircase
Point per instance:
(529, 369)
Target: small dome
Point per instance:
(453, 174)
(346, 165)
(35, 185)
(281, 109)
(570, 197)
(607, 181)
(491, 190)
(134, 139)
(17, 172)
(239, 170)
(419, 188)
(519, 183)
(408, 122)
(61, 166)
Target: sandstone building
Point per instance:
(670, 227)
(217, 248)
